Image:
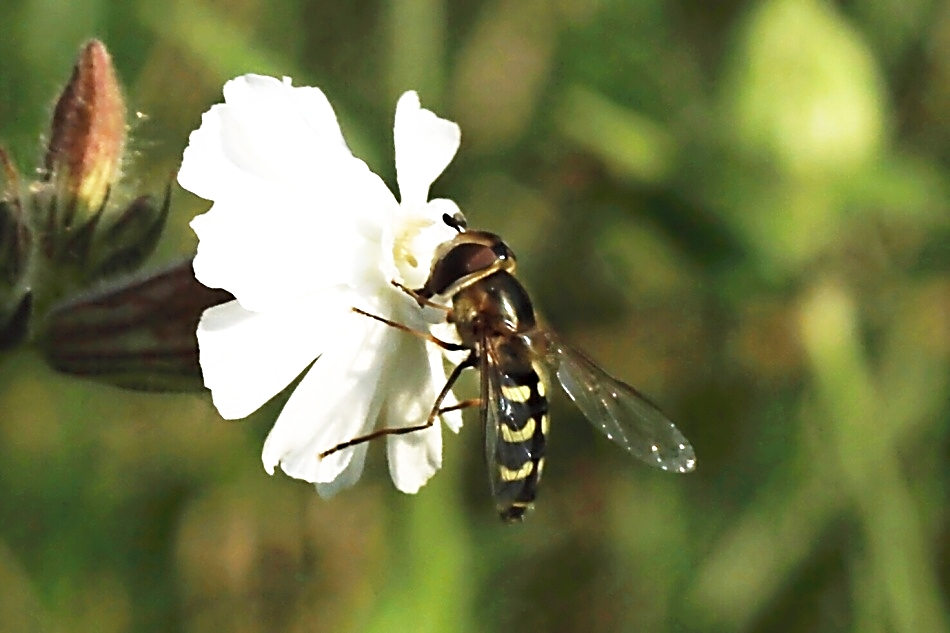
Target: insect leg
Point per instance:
(453, 377)
(464, 404)
(422, 301)
(452, 347)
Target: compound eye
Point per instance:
(458, 263)
(456, 221)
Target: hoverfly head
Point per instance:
(468, 256)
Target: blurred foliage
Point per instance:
(741, 207)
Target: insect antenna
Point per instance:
(456, 221)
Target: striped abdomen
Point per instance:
(522, 424)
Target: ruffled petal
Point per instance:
(248, 357)
(337, 400)
(267, 130)
(292, 205)
(425, 145)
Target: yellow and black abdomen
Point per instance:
(495, 317)
(518, 441)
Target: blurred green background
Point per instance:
(741, 207)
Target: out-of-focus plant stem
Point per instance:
(898, 553)
(430, 564)
(417, 37)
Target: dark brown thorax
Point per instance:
(494, 306)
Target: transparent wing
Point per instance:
(496, 410)
(490, 396)
(618, 410)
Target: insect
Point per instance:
(516, 359)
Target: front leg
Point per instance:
(433, 414)
(421, 299)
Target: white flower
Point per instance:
(301, 232)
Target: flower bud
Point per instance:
(87, 136)
(137, 333)
(83, 234)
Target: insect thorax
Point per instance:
(495, 306)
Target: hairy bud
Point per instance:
(87, 136)
(83, 235)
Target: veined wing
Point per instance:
(618, 410)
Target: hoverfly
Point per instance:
(516, 359)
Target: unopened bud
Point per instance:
(83, 235)
(87, 137)
(137, 333)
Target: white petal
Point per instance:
(248, 357)
(266, 129)
(413, 238)
(265, 259)
(436, 208)
(413, 457)
(438, 377)
(291, 203)
(425, 145)
(337, 400)
(349, 476)
(426, 241)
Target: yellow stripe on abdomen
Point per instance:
(516, 393)
(508, 474)
(512, 436)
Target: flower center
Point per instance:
(413, 246)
